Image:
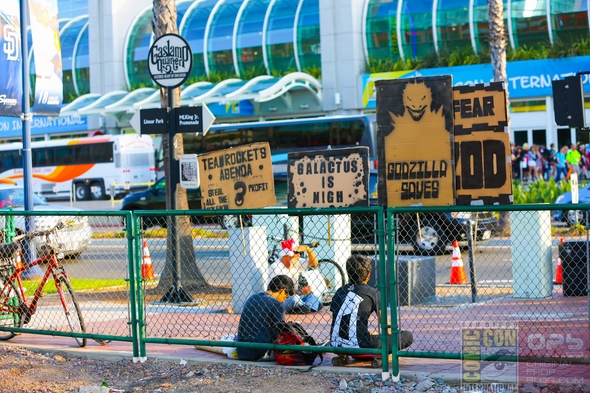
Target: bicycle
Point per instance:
(332, 273)
(15, 309)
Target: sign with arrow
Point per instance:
(187, 119)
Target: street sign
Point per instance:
(150, 121)
(170, 60)
(196, 119)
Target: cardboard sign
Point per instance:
(482, 145)
(329, 178)
(415, 127)
(480, 107)
(237, 178)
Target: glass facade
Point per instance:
(569, 20)
(250, 57)
(220, 38)
(82, 63)
(416, 28)
(452, 26)
(381, 34)
(529, 23)
(138, 46)
(69, 38)
(280, 37)
(309, 47)
(192, 28)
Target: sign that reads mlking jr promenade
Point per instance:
(237, 178)
(329, 178)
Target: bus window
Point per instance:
(43, 157)
(63, 156)
(82, 155)
(103, 152)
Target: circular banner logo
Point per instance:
(170, 60)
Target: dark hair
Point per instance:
(282, 282)
(358, 268)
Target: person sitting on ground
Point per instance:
(261, 313)
(355, 302)
(307, 299)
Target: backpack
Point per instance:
(292, 333)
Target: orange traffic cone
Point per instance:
(559, 270)
(147, 269)
(457, 269)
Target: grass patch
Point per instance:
(77, 285)
(159, 233)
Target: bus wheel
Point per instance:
(82, 192)
(97, 192)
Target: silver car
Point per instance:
(72, 240)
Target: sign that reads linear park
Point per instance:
(237, 178)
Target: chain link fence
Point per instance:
(190, 273)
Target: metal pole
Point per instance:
(473, 279)
(176, 294)
(26, 117)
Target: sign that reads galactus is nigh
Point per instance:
(170, 60)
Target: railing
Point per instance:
(503, 278)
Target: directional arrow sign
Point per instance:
(195, 119)
(150, 121)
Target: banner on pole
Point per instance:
(11, 87)
(48, 63)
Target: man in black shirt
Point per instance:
(261, 313)
(352, 306)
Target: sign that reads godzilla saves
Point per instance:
(237, 178)
(170, 60)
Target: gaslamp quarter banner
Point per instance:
(329, 178)
(414, 137)
(237, 178)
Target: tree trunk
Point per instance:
(498, 59)
(164, 22)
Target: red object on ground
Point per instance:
(458, 275)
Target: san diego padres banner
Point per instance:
(48, 62)
(11, 88)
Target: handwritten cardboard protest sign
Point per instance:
(237, 178)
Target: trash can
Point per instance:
(574, 261)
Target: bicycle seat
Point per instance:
(7, 250)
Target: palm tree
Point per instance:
(498, 59)
(189, 276)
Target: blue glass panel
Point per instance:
(381, 24)
(416, 27)
(82, 64)
(137, 52)
(529, 22)
(569, 20)
(249, 39)
(309, 46)
(279, 37)
(72, 8)
(220, 38)
(68, 38)
(193, 30)
(453, 26)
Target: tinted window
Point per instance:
(103, 152)
(63, 156)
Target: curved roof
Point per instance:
(260, 89)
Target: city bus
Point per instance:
(91, 168)
(284, 136)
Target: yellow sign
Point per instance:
(479, 107)
(482, 145)
(329, 178)
(237, 178)
(415, 125)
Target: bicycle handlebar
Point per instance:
(38, 233)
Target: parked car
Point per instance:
(427, 233)
(72, 240)
(154, 198)
(571, 217)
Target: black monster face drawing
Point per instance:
(417, 97)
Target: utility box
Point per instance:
(417, 279)
(532, 268)
(248, 263)
(574, 264)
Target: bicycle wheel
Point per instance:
(71, 307)
(12, 306)
(334, 277)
